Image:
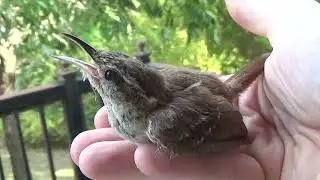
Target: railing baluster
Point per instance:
(74, 114)
(1, 170)
(47, 142)
(16, 148)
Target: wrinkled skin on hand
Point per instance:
(281, 111)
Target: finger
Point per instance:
(85, 139)
(101, 118)
(109, 160)
(273, 17)
(251, 14)
(220, 166)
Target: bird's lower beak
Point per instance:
(87, 67)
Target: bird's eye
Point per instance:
(112, 75)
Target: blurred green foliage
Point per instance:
(197, 33)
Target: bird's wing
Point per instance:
(197, 121)
(178, 79)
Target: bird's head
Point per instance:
(115, 75)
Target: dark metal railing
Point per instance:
(68, 91)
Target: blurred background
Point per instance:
(198, 34)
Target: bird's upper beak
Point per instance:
(87, 67)
(89, 49)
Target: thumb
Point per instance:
(273, 18)
(292, 71)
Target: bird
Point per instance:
(180, 111)
(143, 55)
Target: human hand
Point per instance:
(281, 111)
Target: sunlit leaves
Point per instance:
(195, 33)
(210, 20)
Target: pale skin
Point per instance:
(281, 111)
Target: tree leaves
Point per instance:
(172, 29)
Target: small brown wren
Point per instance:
(181, 111)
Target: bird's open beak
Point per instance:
(87, 67)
